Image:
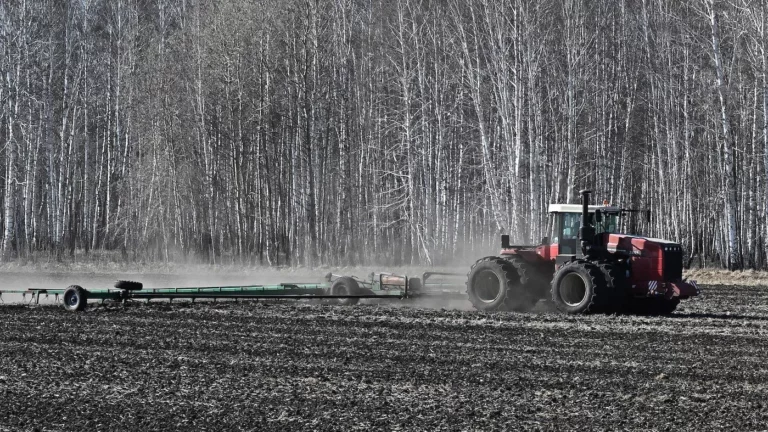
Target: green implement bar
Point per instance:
(294, 291)
(379, 285)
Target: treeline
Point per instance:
(399, 131)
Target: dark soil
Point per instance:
(293, 366)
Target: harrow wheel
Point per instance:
(577, 287)
(345, 286)
(75, 298)
(414, 284)
(496, 284)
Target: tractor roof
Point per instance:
(576, 208)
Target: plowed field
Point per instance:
(293, 366)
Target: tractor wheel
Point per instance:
(345, 286)
(75, 298)
(129, 285)
(616, 297)
(495, 284)
(577, 286)
(535, 284)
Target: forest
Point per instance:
(308, 132)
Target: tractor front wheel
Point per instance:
(576, 287)
(616, 296)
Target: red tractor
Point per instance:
(587, 267)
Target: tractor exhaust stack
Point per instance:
(587, 230)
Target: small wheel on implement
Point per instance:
(129, 285)
(75, 298)
(414, 284)
(345, 286)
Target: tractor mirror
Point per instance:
(648, 216)
(545, 241)
(598, 216)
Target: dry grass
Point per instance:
(725, 277)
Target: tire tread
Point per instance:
(597, 278)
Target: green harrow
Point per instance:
(344, 290)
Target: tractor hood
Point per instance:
(635, 245)
(655, 259)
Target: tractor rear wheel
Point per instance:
(577, 286)
(496, 284)
(345, 286)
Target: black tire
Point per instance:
(75, 298)
(345, 286)
(129, 285)
(414, 285)
(534, 284)
(616, 296)
(577, 286)
(494, 284)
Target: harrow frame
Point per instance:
(377, 286)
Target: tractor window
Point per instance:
(571, 223)
(567, 226)
(609, 224)
(567, 232)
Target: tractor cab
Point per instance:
(567, 221)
